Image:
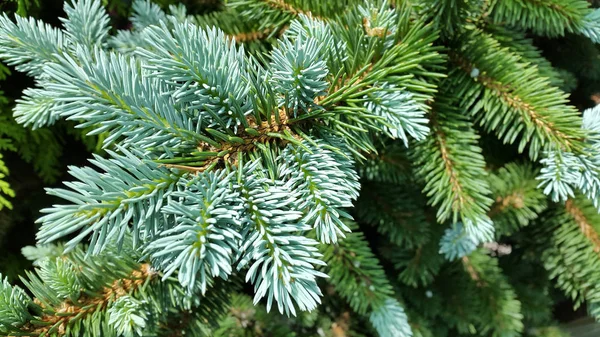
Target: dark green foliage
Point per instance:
(517, 201)
(548, 17)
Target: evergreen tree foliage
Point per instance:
(32, 159)
(404, 168)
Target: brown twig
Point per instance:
(583, 223)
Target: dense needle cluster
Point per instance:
(256, 144)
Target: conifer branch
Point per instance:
(459, 198)
(532, 111)
(453, 180)
(584, 225)
(492, 289)
(65, 313)
(396, 211)
(279, 130)
(419, 265)
(5, 190)
(545, 17)
(238, 158)
(509, 96)
(572, 256)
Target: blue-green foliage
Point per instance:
(13, 306)
(331, 48)
(564, 172)
(62, 276)
(127, 192)
(281, 261)
(390, 320)
(327, 184)
(559, 174)
(591, 26)
(128, 316)
(146, 13)
(205, 236)
(225, 163)
(457, 243)
(87, 22)
(298, 72)
(207, 74)
(187, 111)
(400, 112)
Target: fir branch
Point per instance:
(356, 274)
(61, 316)
(285, 10)
(532, 110)
(145, 14)
(584, 225)
(473, 274)
(387, 165)
(572, 256)
(279, 130)
(89, 15)
(106, 201)
(210, 77)
(396, 211)
(453, 177)
(232, 162)
(418, 266)
(203, 239)
(517, 42)
(507, 93)
(502, 203)
(390, 320)
(518, 200)
(545, 17)
(281, 262)
(487, 301)
(327, 183)
(361, 281)
(458, 242)
(29, 45)
(591, 27)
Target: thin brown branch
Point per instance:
(456, 186)
(507, 93)
(87, 305)
(472, 272)
(586, 228)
